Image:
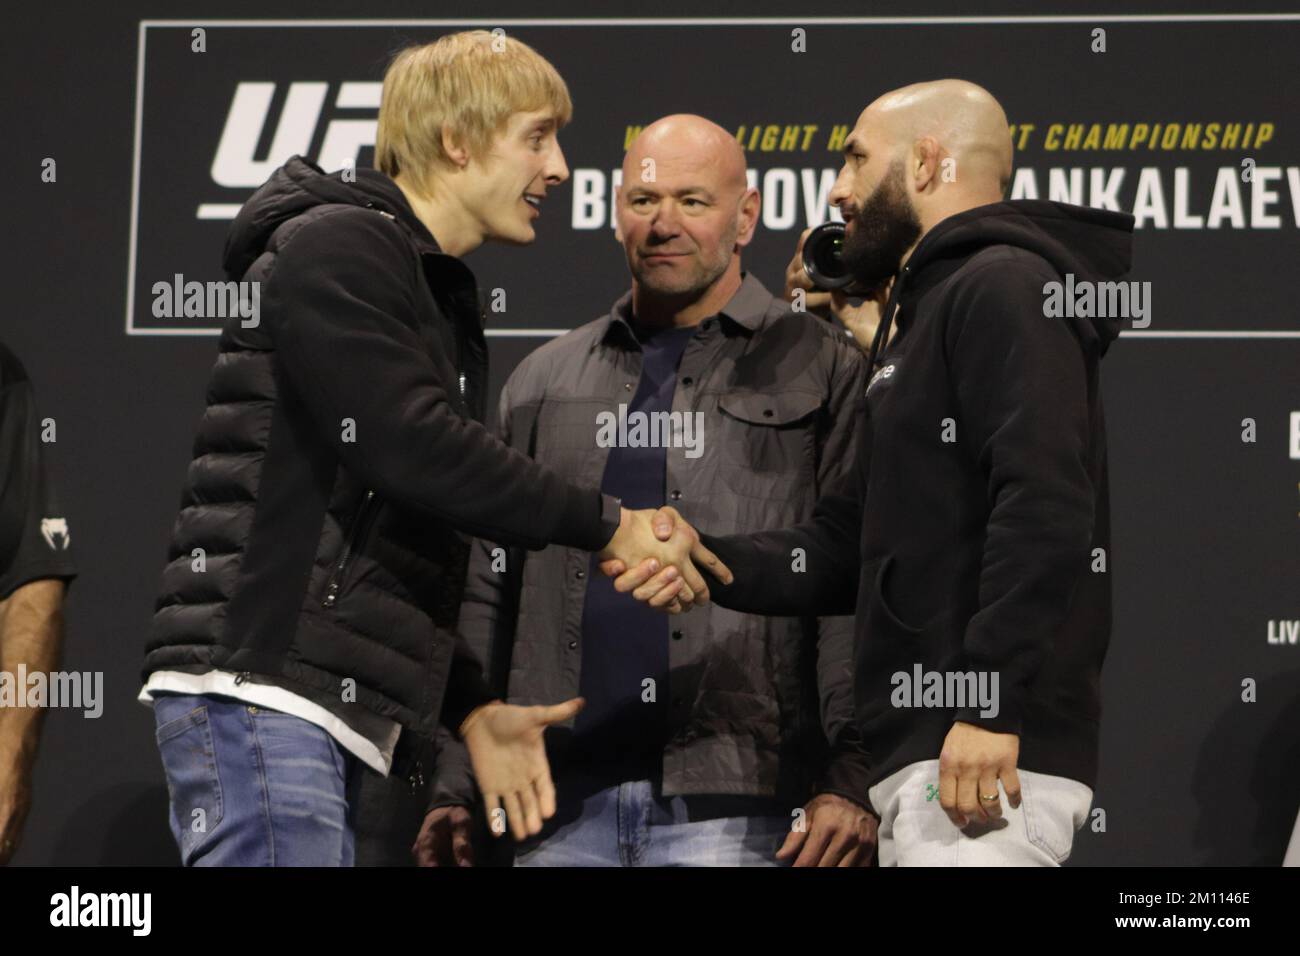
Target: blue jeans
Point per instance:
(628, 825)
(254, 787)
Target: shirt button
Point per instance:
(767, 413)
(627, 386)
(580, 575)
(677, 635)
(573, 645)
(252, 710)
(676, 495)
(688, 380)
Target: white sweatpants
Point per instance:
(914, 830)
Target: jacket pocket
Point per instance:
(770, 408)
(768, 445)
(343, 564)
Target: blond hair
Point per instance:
(471, 81)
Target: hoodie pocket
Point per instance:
(881, 602)
(885, 646)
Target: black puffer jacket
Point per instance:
(339, 459)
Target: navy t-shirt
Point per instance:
(621, 732)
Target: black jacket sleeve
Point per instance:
(35, 541)
(452, 781)
(467, 689)
(847, 769)
(341, 310)
(1022, 393)
(487, 623)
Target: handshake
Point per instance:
(654, 554)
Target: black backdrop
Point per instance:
(1205, 542)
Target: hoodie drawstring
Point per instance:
(882, 330)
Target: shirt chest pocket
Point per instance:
(768, 442)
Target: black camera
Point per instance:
(821, 257)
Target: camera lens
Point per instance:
(821, 257)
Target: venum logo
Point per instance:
(55, 533)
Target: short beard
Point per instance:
(885, 227)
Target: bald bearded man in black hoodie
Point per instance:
(972, 540)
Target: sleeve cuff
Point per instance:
(848, 775)
(36, 572)
(611, 516)
(586, 527)
(1007, 720)
(467, 696)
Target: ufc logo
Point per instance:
(235, 165)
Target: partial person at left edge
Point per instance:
(36, 567)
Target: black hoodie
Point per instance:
(339, 461)
(974, 536)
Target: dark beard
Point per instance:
(884, 228)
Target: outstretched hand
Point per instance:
(509, 759)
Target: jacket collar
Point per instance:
(385, 196)
(747, 308)
(445, 271)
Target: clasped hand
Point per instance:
(655, 554)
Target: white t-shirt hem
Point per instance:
(378, 755)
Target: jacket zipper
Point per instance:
(461, 377)
(416, 777)
(336, 576)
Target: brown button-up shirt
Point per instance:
(757, 706)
